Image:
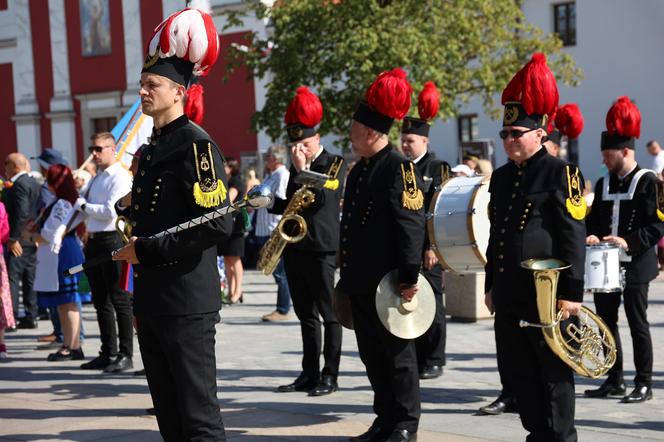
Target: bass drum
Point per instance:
(458, 224)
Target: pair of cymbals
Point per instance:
(406, 320)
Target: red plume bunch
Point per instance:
(569, 120)
(390, 94)
(534, 86)
(305, 109)
(624, 118)
(194, 108)
(428, 102)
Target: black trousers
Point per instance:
(180, 366)
(21, 270)
(110, 300)
(431, 345)
(311, 281)
(391, 364)
(543, 384)
(635, 298)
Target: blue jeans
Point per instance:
(283, 292)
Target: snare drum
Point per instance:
(603, 272)
(458, 223)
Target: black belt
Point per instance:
(100, 235)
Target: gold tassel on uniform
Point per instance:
(575, 203)
(659, 192)
(209, 191)
(333, 171)
(412, 197)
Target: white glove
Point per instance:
(79, 202)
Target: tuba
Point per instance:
(292, 228)
(588, 346)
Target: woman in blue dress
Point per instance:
(59, 248)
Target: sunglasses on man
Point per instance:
(514, 133)
(97, 149)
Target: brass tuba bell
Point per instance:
(588, 346)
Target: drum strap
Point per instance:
(616, 198)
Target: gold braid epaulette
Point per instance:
(659, 190)
(209, 191)
(575, 203)
(333, 182)
(412, 197)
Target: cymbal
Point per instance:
(406, 320)
(342, 308)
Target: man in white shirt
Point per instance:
(266, 222)
(111, 301)
(656, 151)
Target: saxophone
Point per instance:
(292, 228)
(588, 346)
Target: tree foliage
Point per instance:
(337, 47)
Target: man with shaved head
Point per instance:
(22, 201)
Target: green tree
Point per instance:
(337, 47)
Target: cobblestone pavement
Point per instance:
(42, 400)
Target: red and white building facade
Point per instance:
(51, 95)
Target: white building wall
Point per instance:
(17, 21)
(619, 49)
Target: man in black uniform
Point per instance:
(382, 229)
(310, 263)
(536, 211)
(628, 213)
(414, 142)
(176, 282)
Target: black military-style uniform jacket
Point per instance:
(322, 216)
(638, 223)
(382, 226)
(180, 177)
(433, 172)
(536, 211)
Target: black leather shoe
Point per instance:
(608, 388)
(431, 372)
(98, 363)
(139, 372)
(375, 433)
(401, 435)
(27, 323)
(501, 405)
(10, 330)
(641, 393)
(121, 363)
(302, 383)
(327, 385)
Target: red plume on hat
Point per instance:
(390, 94)
(624, 118)
(189, 34)
(305, 109)
(534, 86)
(428, 102)
(569, 120)
(194, 108)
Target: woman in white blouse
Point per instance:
(58, 249)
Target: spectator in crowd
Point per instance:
(58, 250)
(484, 167)
(46, 159)
(250, 179)
(462, 170)
(277, 180)
(111, 301)
(472, 161)
(6, 310)
(232, 249)
(656, 151)
(22, 202)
